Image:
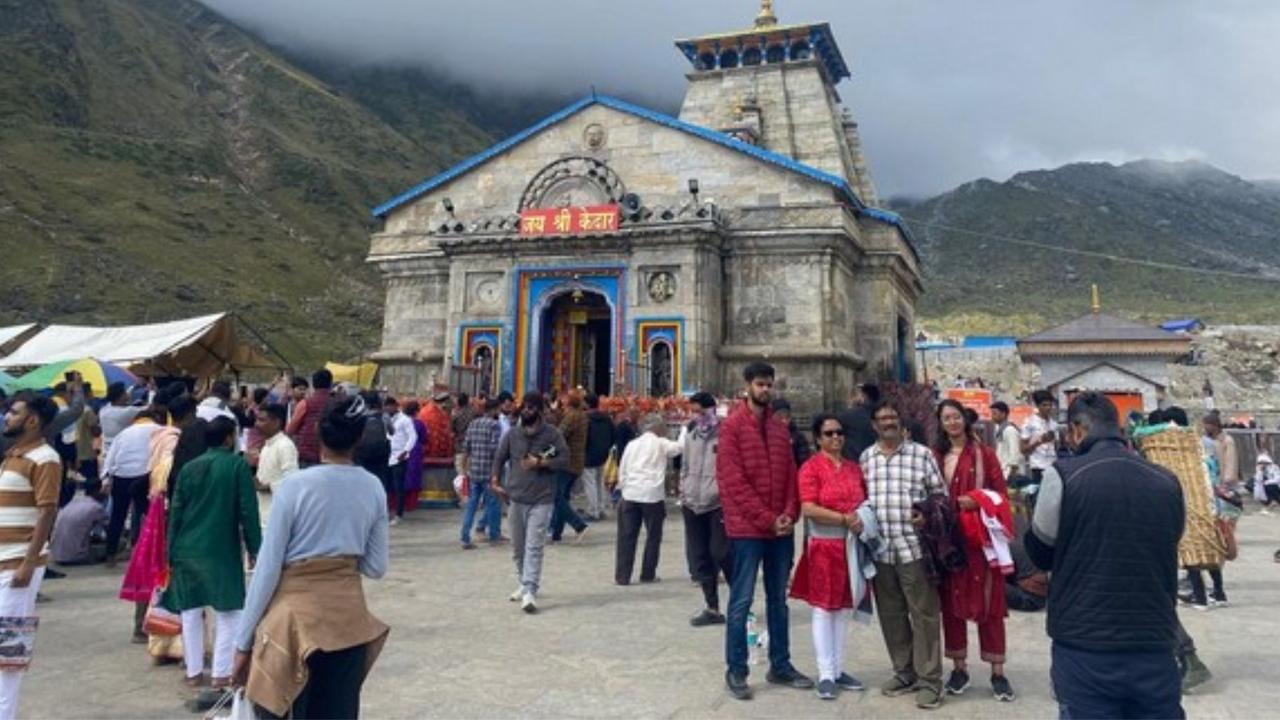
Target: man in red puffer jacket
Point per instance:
(756, 474)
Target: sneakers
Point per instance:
(394, 521)
(957, 683)
(577, 537)
(529, 604)
(791, 677)
(1189, 599)
(850, 683)
(737, 685)
(468, 546)
(518, 595)
(707, 617)
(928, 698)
(898, 685)
(827, 689)
(1001, 688)
(1195, 674)
(1219, 600)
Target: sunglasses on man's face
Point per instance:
(832, 433)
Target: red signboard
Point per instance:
(570, 220)
(1020, 414)
(978, 400)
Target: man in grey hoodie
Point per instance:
(705, 545)
(537, 452)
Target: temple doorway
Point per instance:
(577, 343)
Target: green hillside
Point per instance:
(1014, 256)
(157, 162)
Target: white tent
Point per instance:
(14, 335)
(200, 347)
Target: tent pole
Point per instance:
(287, 365)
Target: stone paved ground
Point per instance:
(459, 649)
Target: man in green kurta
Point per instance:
(213, 520)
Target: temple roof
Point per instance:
(817, 35)
(1097, 327)
(839, 184)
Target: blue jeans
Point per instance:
(564, 512)
(1116, 685)
(492, 512)
(748, 555)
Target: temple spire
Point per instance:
(766, 17)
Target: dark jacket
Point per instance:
(800, 447)
(858, 431)
(532, 487)
(373, 452)
(574, 428)
(940, 538)
(600, 437)
(756, 473)
(1114, 557)
(624, 433)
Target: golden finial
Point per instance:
(1097, 301)
(766, 16)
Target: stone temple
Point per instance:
(620, 249)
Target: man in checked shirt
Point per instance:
(900, 473)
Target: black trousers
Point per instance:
(333, 686)
(707, 550)
(630, 516)
(393, 483)
(1197, 585)
(126, 492)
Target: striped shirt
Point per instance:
(30, 479)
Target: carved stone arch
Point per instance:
(573, 181)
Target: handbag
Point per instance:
(610, 472)
(1228, 534)
(159, 621)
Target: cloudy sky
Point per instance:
(944, 91)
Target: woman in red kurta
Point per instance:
(831, 488)
(975, 593)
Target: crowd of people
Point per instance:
(300, 481)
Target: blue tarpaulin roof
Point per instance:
(989, 341)
(1183, 325)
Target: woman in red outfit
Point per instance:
(831, 488)
(977, 592)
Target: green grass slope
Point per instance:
(158, 162)
(1013, 257)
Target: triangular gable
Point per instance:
(1113, 366)
(837, 183)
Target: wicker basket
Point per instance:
(1180, 450)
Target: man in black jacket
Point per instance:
(859, 432)
(1107, 525)
(600, 438)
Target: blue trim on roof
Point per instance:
(461, 168)
(836, 183)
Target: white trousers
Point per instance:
(15, 602)
(593, 486)
(224, 636)
(828, 641)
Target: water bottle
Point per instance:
(753, 655)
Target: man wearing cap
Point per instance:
(1267, 478)
(537, 452)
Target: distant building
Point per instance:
(616, 248)
(1127, 361)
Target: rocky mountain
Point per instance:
(157, 162)
(1161, 239)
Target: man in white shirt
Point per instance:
(116, 415)
(403, 437)
(218, 403)
(127, 476)
(278, 456)
(1040, 436)
(1008, 441)
(642, 474)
